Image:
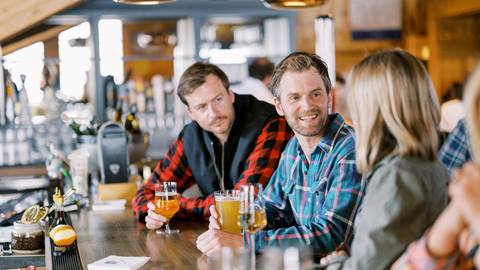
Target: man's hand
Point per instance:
(333, 258)
(154, 220)
(442, 240)
(465, 190)
(213, 218)
(213, 240)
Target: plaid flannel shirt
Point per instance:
(259, 167)
(314, 204)
(417, 257)
(456, 150)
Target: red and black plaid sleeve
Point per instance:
(263, 160)
(174, 168)
(260, 165)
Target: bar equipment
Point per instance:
(113, 153)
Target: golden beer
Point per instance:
(166, 206)
(258, 222)
(228, 206)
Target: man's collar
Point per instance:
(334, 123)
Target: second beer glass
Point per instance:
(227, 204)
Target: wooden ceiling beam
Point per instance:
(449, 8)
(42, 36)
(20, 15)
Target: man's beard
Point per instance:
(308, 131)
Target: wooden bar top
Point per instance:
(100, 234)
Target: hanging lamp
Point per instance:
(292, 4)
(144, 2)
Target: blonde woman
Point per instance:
(452, 242)
(395, 114)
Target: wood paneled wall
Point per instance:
(150, 62)
(348, 51)
(445, 30)
(453, 40)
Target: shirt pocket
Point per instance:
(318, 197)
(289, 188)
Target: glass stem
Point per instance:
(167, 228)
(245, 242)
(252, 250)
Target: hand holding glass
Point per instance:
(166, 204)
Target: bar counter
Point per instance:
(100, 234)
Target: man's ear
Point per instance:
(330, 102)
(231, 95)
(266, 81)
(190, 114)
(278, 106)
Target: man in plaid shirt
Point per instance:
(315, 192)
(456, 150)
(233, 140)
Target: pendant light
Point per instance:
(292, 4)
(144, 2)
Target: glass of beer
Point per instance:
(227, 204)
(252, 215)
(166, 204)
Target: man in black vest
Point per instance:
(233, 140)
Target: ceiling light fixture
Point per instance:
(292, 4)
(144, 2)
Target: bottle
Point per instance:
(54, 166)
(10, 140)
(2, 146)
(59, 218)
(131, 122)
(168, 89)
(23, 147)
(110, 92)
(62, 234)
(24, 113)
(11, 97)
(117, 115)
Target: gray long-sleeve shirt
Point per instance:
(404, 197)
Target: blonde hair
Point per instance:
(472, 106)
(394, 108)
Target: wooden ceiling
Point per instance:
(21, 15)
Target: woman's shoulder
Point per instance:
(411, 172)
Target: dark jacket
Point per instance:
(205, 153)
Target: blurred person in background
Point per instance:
(256, 84)
(340, 99)
(452, 108)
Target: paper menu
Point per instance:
(118, 263)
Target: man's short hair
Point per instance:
(298, 62)
(260, 68)
(196, 75)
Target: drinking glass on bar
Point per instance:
(227, 204)
(252, 215)
(166, 204)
